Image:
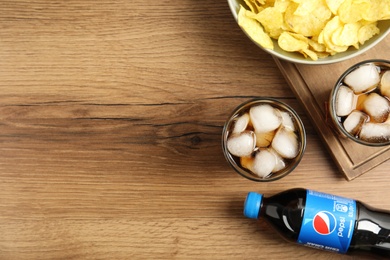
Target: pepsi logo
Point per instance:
(324, 223)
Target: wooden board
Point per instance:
(312, 85)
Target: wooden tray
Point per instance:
(312, 85)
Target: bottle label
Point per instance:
(328, 222)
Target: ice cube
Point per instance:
(375, 132)
(354, 122)
(265, 118)
(279, 163)
(241, 123)
(241, 144)
(286, 143)
(345, 101)
(264, 139)
(377, 107)
(264, 163)
(385, 84)
(363, 78)
(287, 120)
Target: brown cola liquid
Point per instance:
(250, 128)
(361, 98)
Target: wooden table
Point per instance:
(111, 115)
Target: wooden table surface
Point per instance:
(111, 115)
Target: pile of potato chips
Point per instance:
(315, 28)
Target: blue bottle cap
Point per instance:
(252, 205)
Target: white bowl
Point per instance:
(384, 27)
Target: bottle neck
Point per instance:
(372, 230)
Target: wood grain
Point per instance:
(111, 115)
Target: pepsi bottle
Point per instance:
(323, 221)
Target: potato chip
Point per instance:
(259, 5)
(316, 46)
(367, 31)
(272, 21)
(281, 5)
(251, 5)
(326, 36)
(305, 7)
(313, 55)
(293, 42)
(250, 14)
(347, 35)
(254, 29)
(351, 11)
(300, 37)
(314, 28)
(322, 55)
(289, 43)
(334, 5)
(379, 10)
(267, 3)
(308, 25)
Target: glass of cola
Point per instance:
(263, 139)
(359, 103)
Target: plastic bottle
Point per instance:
(323, 221)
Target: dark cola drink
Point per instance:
(360, 103)
(323, 221)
